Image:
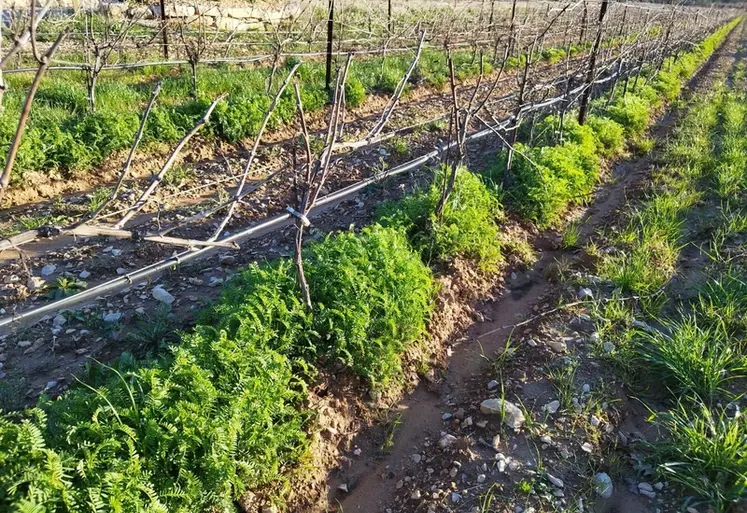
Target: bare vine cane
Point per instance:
(316, 171)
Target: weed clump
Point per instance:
(467, 226)
(543, 181)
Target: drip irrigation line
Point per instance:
(269, 224)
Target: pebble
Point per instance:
(595, 338)
(692, 510)
(645, 487)
(558, 346)
(48, 269)
(214, 281)
(492, 384)
(603, 485)
(24, 343)
(83, 275)
(586, 388)
(556, 482)
(552, 407)
(545, 439)
(113, 316)
(650, 495)
(455, 497)
(587, 447)
(116, 252)
(481, 478)
(226, 260)
(532, 343)
(446, 416)
(447, 441)
(595, 421)
(416, 495)
(35, 283)
(121, 271)
(585, 293)
(140, 310)
(608, 347)
(659, 486)
(496, 442)
(357, 451)
(50, 385)
(482, 424)
(512, 415)
(59, 320)
(459, 414)
(416, 458)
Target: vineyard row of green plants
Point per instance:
(223, 412)
(64, 135)
(697, 352)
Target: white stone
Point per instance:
(552, 407)
(447, 441)
(556, 482)
(585, 293)
(603, 485)
(481, 478)
(650, 495)
(162, 295)
(558, 346)
(587, 447)
(113, 316)
(496, 442)
(48, 269)
(415, 495)
(512, 414)
(645, 487)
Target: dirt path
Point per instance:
(385, 481)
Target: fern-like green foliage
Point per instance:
(467, 226)
(373, 295)
(545, 180)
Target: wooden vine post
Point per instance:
(584, 105)
(330, 35)
(164, 31)
(512, 29)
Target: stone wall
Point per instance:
(235, 17)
